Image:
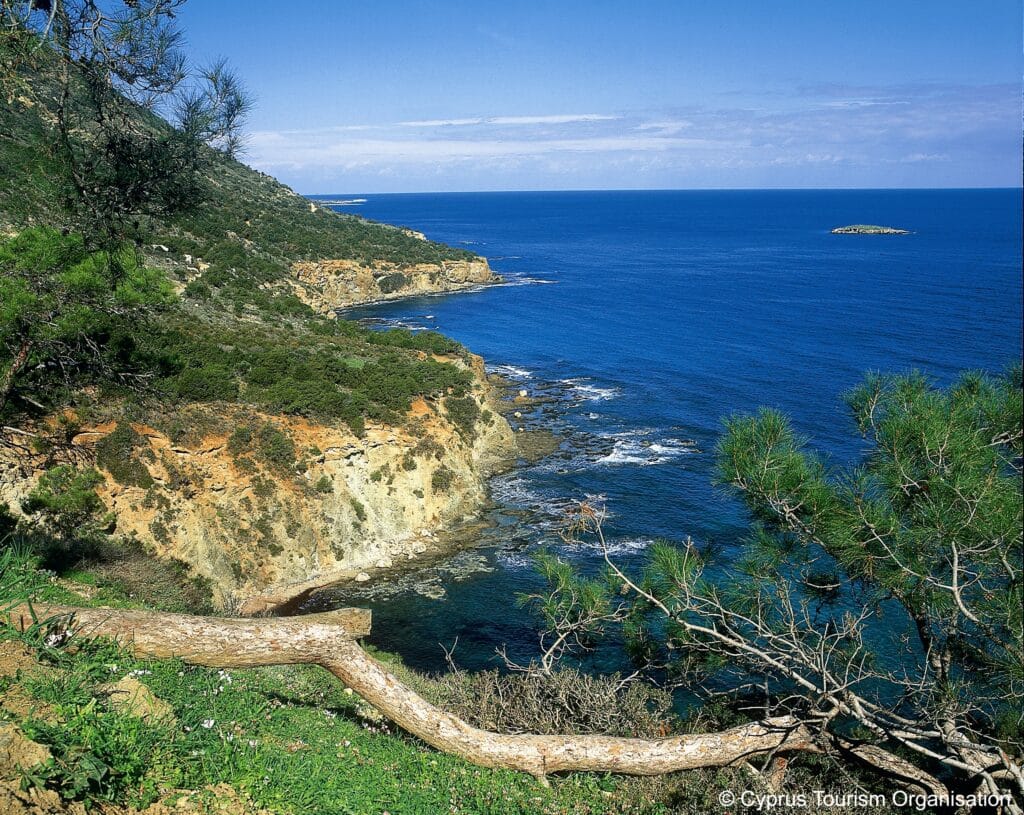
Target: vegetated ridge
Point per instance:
(270, 443)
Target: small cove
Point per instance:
(640, 320)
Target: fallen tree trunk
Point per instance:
(247, 643)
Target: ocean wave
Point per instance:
(617, 547)
(384, 323)
(516, 492)
(510, 371)
(637, 447)
(524, 280)
(582, 389)
(516, 561)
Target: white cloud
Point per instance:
(827, 137)
(560, 119)
(554, 119)
(442, 123)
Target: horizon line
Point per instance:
(666, 189)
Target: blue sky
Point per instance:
(393, 96)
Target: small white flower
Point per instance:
(55, 639)
(208, 723)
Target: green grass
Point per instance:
(291, 738)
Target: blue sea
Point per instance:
(646, 318)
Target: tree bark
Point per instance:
(246, 643)
(7, 380)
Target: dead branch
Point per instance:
(247, 643)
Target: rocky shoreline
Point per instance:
(329, 285)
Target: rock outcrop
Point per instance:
(868, 229)
(327, 285)
(257, 528)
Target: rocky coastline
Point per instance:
(329, 285)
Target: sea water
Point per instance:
(648, 317)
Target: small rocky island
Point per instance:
(868, 229)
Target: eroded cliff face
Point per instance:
(263, 526)
(327, 285)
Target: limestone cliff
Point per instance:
(327, 285)
(270, 525)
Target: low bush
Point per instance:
(464, 413)
(66, 502)
(275, 448)
(393, 282)
(565, 701)
(442, 479)
(118, 454)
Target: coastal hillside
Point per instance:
(245, 238)
(218, 414)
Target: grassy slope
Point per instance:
(291, 739)
(239, 333)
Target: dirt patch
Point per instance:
(15, 801)
(18, 660)
(15, 656)
(131, 697)
(18, 751)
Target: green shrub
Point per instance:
(65, 498)
(116, 453)
(393, 282)
(208, 383)
(324, 485)
(442, 479)
(240, 440)
(275, 448)
(464, 413)
(198, 290)
(8, 522)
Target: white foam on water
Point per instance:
(516, 492)
(617, 547)
(524, 280)
(581, 388)
(634, 447)
(510, 371)
(516, 561)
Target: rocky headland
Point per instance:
(327, 285)
(263, 532)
